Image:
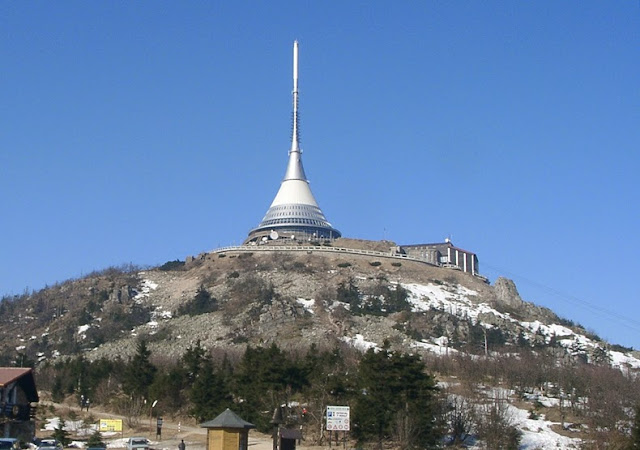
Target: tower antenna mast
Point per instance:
(295, 141)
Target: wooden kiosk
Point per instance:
(227, 432)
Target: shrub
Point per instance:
(172, 265)
(233, 274)
(202, 303)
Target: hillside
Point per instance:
(463, 327)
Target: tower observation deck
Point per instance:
(294, 212)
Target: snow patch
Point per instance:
(360, 343)
(82, 329)
(145, 289)
(438, 349)
(455, 300)
(307, 304)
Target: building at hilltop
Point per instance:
(294, 213)
(443, 254)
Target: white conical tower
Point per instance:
(294, 212)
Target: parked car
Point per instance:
(9, 444)
(49, 444)
(138, 443)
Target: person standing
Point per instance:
(181, 445)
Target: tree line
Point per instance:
(393, 395)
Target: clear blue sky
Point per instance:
(141, 132)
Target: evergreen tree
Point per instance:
(396, 400)
(95, 440)
(57, 392)
(265, 378)
(61, 434)
(170, 385)
(139, 373)
(202, 303)
(209, 394)
(193, 359)
(349, 293)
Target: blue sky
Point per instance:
(142, 132)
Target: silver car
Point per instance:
(49, 444)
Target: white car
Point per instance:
(138, 443)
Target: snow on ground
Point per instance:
(538, 433)
(359, 342)
(548, 402)
(76, 426)
(307, 304)
(451, 299)
(161, 314)
(454, 299)
(435, 348)
(147, 287)
(82, 330)
(620, 360)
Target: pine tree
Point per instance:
(396, 400)
(209, 393)
(193, 359)
(265, 379)
(95, 440)
(139, 373)
(60, 434)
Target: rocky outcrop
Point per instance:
(507, 293)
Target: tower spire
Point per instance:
(295, 138)
(295, 171)
(294, 212)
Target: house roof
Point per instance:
(24, 378)
(227, 419)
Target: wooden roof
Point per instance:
(228, 419)
(23, 376)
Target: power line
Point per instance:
(626, 321)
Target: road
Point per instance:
(173, 431)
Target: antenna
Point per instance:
(295, 139)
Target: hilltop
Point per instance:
(294, 297)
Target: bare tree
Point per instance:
(495, 426)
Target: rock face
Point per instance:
(507, 293)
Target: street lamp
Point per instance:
(155, 402)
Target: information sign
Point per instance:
(338, 418)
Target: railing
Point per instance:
(311, 248)
(326, 249)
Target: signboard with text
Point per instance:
(110, 425)
(338, 418)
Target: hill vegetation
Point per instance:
(423, 355)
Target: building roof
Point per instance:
(11, 374)
(437, 245)
(227, 419)
(23, 376)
